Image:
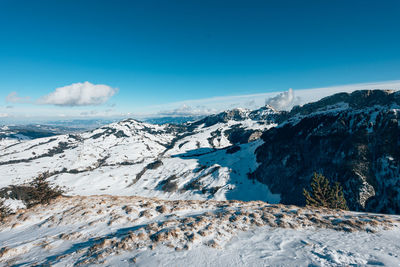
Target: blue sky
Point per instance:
(155, 55)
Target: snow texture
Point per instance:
(120, 231)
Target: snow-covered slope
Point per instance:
(350, 138)
(168, 188)
(121, 231)
(33, 131)
(206, 159)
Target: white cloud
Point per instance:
(89, 113)
(192, 107)
(186, 110)
(14, 98)
(79, 94)
(4, 115)
(283, 101)
(253, 101)
(315, 94)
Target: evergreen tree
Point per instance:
(323, 195)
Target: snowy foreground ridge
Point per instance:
(123, 231)
(174, 195)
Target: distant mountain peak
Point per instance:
(356, 100)
(265, 113)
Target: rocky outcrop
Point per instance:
(263, 115)
(350, 138)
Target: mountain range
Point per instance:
(225, 189)
(238, 154)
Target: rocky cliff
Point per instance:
(350, 138)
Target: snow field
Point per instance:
(115, 230)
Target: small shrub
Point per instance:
(214, 190)
(4, 211)
(323, 195)
(193, 185)
(170, 186)
(154, 165)
(40, 192)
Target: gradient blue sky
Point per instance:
(162, 52)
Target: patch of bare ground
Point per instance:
(109, 225)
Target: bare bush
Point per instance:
(39, 191)
(4, 211)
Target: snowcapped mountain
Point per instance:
(209, 158)
(162, 195)
(351, 138)
(15, 133)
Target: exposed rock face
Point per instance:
(350, 138)
(234, 125)
(263, 114)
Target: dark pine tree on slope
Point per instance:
(323, 195)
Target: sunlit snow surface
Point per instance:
(284, 247)
(115, 160)
(171, 217)
(121, 231)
